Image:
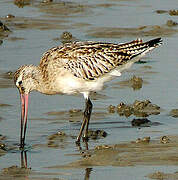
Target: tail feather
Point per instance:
(146, 47)
(136, 51)
(154, 42)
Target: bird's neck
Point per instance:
(41, 83)
(38, 80)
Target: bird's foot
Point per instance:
(85, 138)
(22, 146)
(77, 142)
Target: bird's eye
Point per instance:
(20, 82)
(22, 88)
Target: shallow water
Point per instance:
(34, 29)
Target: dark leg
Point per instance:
(87, 113)
(23, 159)
(86, 145)
(90, 105)
(81, 130)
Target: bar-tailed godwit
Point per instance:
(79, 67)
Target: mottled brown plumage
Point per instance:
(90, 60)
(79, 67)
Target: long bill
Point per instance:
(24, 112)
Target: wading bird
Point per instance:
(78, 67)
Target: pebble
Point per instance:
(164, 140)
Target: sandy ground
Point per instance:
(147, 152)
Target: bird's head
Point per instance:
(25, 79)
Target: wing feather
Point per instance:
(90, 60)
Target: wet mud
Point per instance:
(58, 140)
(164, 139)
(22, 3)
(171, 23)
(143, 151)
(142, 140)
(174, 113)
(134, 82)
(3, 147)
(2, 150)
(6, 80)
(97, 134)
(15, 171)
(4, 31)
(141, 122)
(138, 108)
(76, 115)
(62, 140)
(5, 105)
(65, 37)
(107, 32)
(19, 23)
(66, 9)
(173, 12)
(161, 175)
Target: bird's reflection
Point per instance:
(24, 165)
(23, 171)
(87, 173)
(80, 147)
(85, 153)
(18, 172)
(23, 158)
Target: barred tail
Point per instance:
(154, 42)
(146, 47)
